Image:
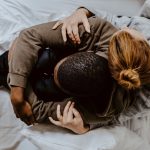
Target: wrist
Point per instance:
(17, 95)
(85, 129)
(83, 11)
(17, 102)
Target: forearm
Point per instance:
(17, 95)
(41, 109)
(24, 53)
(23, 57)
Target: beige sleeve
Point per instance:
(24, 52)
(41, 109)
(106, 33)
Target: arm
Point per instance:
(41, 109)
(22, 58)
(24, 53)
(44, 110)
(21, 107)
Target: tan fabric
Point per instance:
(32, 40)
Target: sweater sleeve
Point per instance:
(24, 52)
(41, 109)
(101, 33)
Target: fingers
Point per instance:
(25, 120)
(29, 120)
(70, 33)
(57, 123)
(63, 32)
(70, 112)
(65, 113)
(56, 25)
(67, 118)
(70, 29)
(32, 119)
(75, 31)
(59, 116)
(86, 24)
(76, 113)
(63, 29)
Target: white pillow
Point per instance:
(145, 11)
(49, 137)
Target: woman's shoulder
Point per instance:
(100, 23)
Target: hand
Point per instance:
(24, 112)
(71, 119)
(21, 107)
(70, 25)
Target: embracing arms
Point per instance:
(22, 58)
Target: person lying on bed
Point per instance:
(97, 41)
(25, 49)
(72, 76)
(128, 53)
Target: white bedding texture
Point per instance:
(133, 134)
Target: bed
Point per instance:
(134, 133)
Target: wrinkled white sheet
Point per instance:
(115, 138)
(44, 137)
(15, 16)
(10, 127)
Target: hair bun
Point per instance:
(129, 79)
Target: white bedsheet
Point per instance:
(44, 137)
(16, 15)
(10, 127)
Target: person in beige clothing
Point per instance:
(128, 53)
(24, 55)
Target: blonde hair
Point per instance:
(129, 60)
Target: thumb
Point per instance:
(56, 25)
(86, 24)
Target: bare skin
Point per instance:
(21, 107)
(71, 119)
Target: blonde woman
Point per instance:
(102, 32)
(129, 51)
(129, 58)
